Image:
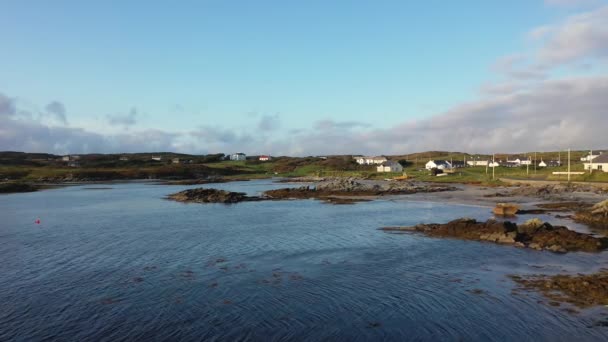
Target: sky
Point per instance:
(303, 77)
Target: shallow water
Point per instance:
(125, 264)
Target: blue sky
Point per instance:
(239, 74)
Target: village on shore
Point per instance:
(456, 167)
(592, 161)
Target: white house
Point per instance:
(542, 164)
(238, 156)
(390, 166)
(520, 161)
(370, 160)
(590, 157)
(598, 163)
(438, 164)
(264, 158)
(123, 158)
(175, 160)
(157, 158)
(477, 162)
(70, 158)
(494, 164)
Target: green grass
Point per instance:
(291, 167)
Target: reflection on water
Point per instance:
(123, 263)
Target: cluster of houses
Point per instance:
(384, 165)
(243, 156)
(598, 161)
(71, 160)
(235, 157)
(510, 162)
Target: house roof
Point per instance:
(601, 159)
(390, 163)
(518, 157)
(438, 162)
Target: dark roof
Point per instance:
(603, 158)
(444, 162)
(389, 163)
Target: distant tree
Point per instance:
(214, 158)
(405, 163)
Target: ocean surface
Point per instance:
(114, 262)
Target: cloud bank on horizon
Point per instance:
(554, 96)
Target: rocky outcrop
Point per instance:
(211, 196)
(14, 187)
(596, 216)
(582, 290)
(349, 187)
(554, 191)
(533, 235)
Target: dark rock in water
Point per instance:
(582, 290)
(211, 196)
(13, 187)
(542, 236)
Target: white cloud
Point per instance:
(125, 120)
(57, 110)
(7, 106)
(554, 114)
(580, 36)
(269, 123)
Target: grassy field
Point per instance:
(337, 166)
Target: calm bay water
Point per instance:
(123, 263)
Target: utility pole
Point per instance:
(590, 161)
(534, 162)
(493, 166)
(487, 162)
(568, 166)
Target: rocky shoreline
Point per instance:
(533, 234)
(581, 290)
(559, 192)
(343, 191)
(353, 190)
